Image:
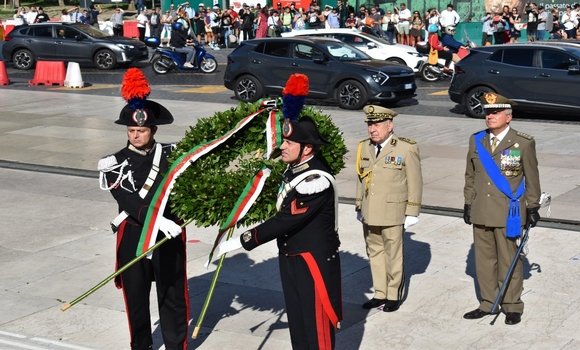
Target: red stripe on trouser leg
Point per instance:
(322, 325)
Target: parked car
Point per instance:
(74, 42)
(376, 47)
(336, 70)
(540, 77)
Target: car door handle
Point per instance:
(256, 61)
(544, 75)
(493, 71)
(294, 64)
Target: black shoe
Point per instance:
(475, 314)
(373, 303)
(391, 306)
(513, 317)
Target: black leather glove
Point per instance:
(532, 217)
(467, 214)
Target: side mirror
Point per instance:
(79, 37)
(371, 45)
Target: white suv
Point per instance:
(374, 46)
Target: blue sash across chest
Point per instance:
(513, 222)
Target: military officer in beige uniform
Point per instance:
(388, 199)
(502, 194)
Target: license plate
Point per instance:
(408, 86)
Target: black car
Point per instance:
(74, 42)
(540, 77)
(336, 71)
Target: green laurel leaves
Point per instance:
(207, 191)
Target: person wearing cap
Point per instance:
(132, 175)
(502, 194)
(388, 201)
(305, 227)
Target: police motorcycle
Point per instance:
(435, 72)
(166, 59)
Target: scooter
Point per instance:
(435, 72)
(165, 59)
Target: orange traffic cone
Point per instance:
(3, 74)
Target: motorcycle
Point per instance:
(435, 72)
(165, 59)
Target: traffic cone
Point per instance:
(3, 74)
(48, 73)
(73, 77)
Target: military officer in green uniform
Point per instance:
(502, 194)
(388, 200)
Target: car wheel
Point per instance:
(248, 88)
(473, 102)
(351, 94)
(208, 65)
(23, 59)
(162, 64)
(396, 60)
(105, 59)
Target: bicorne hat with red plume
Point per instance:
(139, 111)
(302, 130)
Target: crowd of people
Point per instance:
(540, 23)
(34, 14)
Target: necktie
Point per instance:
(378, 150)
(494, 142)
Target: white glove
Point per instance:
(359, 216)
(169, 227)
(230, 245)
(410, 221)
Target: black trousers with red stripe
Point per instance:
(167, 269)
(310, 327)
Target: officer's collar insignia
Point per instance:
(394, 142)
(140, 117)
(300, 168)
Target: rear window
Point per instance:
(516, 57)
(43, 32)
(276, 48)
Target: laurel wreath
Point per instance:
(207, 191)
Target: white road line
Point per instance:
(20, 345)
(14, 335)
(60, 344)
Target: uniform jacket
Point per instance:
(516, 157)
(305, 222)
(134, 175)
(393, 185)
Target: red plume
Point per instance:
(297, 85)
(135, 85)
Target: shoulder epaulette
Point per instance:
(407, 140)
(106, 163)
(364, 140)
(524, 135)
(313, 184)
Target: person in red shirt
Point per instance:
(435, 44)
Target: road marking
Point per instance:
(86, 88)
(205, 89)
(440, 93)
(23, 342)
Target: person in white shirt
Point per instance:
(404, 25)
(449, 17)
(142, 22)
(31, 15)
(570, 22)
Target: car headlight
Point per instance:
(379, 77)
(125, 46)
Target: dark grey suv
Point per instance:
(336, 70)
(73, 42)
(541, 77)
